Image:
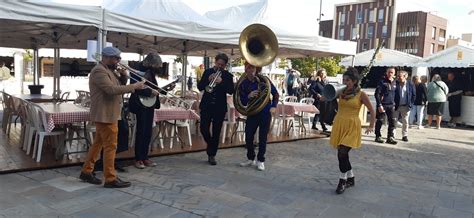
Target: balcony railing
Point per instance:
(407, 34)
(441, 39)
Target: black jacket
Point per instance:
(316, 87)
(134, 101)
(421, 97)
(217, 100)
(385, 93)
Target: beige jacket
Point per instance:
(106, 95)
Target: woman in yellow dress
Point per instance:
(347, 130)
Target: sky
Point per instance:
(456, 11)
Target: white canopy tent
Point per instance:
(385, 58)
(458, 56)
(165, 26)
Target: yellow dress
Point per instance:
(346, 128)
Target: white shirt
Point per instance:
(403, 94)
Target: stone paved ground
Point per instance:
(431, 176)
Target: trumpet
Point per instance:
(212, 84)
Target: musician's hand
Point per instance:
(139, 85)
(122, 71)
(154, 93)
(381, 110)
(273, 111)
(369, 129)
(322, 98)
(253, 94)
(218, 80)
(211, 77)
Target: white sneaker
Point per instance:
(421, 127)
(260, 166)
(248, 163)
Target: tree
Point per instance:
(237, 62)
(306, 66)
(283, 64)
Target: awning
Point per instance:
(385, 58)
(458, 56)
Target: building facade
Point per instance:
(420, 33)
(368, 22)
(325, 28)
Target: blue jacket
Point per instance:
(247, 86)
(410, 93)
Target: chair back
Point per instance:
(290, 99)
(38, 117)
(307, 100)
(65, 96)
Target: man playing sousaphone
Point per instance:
(249, 89)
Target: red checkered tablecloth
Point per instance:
(291, 108)
(174, 113)
(64, 113)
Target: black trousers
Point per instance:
(143, 133)
(261, 120)
(343, 157)
(389, 114)
(212, 140)
(317, 104)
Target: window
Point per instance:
(432, 48)
(354, 33)
(364, 46)
(360, 16)
(341, 33)
(433, 33)
(370, 32)
(372, 16)
(342, 19)
(384, 31)
(381, 14)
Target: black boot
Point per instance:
(314, 127)
(341, 186)
(211, 160)
(378, 139)
(350, 182)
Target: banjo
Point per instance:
(150, 101)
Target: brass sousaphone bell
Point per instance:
(259, 47)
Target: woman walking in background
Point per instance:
(420, 101)
(316, 88)
(437, 91)
(347, 130)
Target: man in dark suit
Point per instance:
(405, 94)
(213, 104)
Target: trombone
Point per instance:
(175, 100)
(212, 84)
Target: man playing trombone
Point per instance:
(106, 102)
(217, 83)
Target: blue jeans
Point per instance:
(261, 120)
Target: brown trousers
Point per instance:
(106, 138)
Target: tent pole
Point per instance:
(35, 67)
(57, 68)
(184, 76)
(353, 60)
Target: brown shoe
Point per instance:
(149, 163)
(90, 178)
(117, 183)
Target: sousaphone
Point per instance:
(259, 47)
